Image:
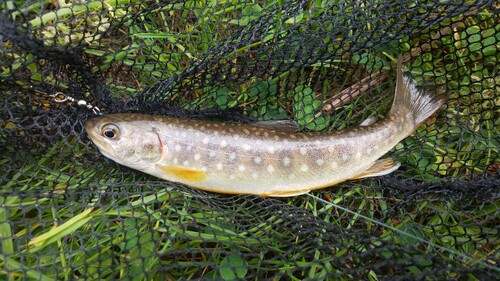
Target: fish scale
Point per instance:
(249, 159)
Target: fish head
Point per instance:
(133, 143)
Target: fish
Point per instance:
(260, 158)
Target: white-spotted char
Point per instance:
(256, 159)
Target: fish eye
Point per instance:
(110, 131)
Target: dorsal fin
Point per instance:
(287, 126)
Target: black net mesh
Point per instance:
(67, 212)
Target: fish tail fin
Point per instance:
(420, 103)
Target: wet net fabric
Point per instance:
(67, 212)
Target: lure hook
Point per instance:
(60, 97)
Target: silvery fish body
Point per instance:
(249, 159)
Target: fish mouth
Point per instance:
(94, 134)
(90, 125)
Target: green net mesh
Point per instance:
(67, 212)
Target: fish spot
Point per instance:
(185, 163)
(205, 140)
(303, 151)
(232, 177)
(357, 156)
(257, 160)
(351, 133)
(331, 149)
(286, 161)
(320, 162)
(369, 151)
(276, 137)
(183, 134)
(197, 157)
(271, 149)
(270, 169)
(175, 161)
(304, 168)
(219, 166)
(204, 169)
(334, 165)
(177, 147)
(212, 153)
(215, 125)
(242, 168)
(223, 143)
(266, 134)
(246, 131)
(293, 136)
(246, 147)
(255, 175)
(232, 156)
(231, 130)
(344, 157)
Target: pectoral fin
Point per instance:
(184, 173)
(381, 167)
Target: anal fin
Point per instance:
(183, 173)
(381, 167)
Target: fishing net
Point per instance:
(67, 212)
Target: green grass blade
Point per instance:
(5, 234)
(409, 235)
(15, 266)
(6, 239)
(60, 231)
